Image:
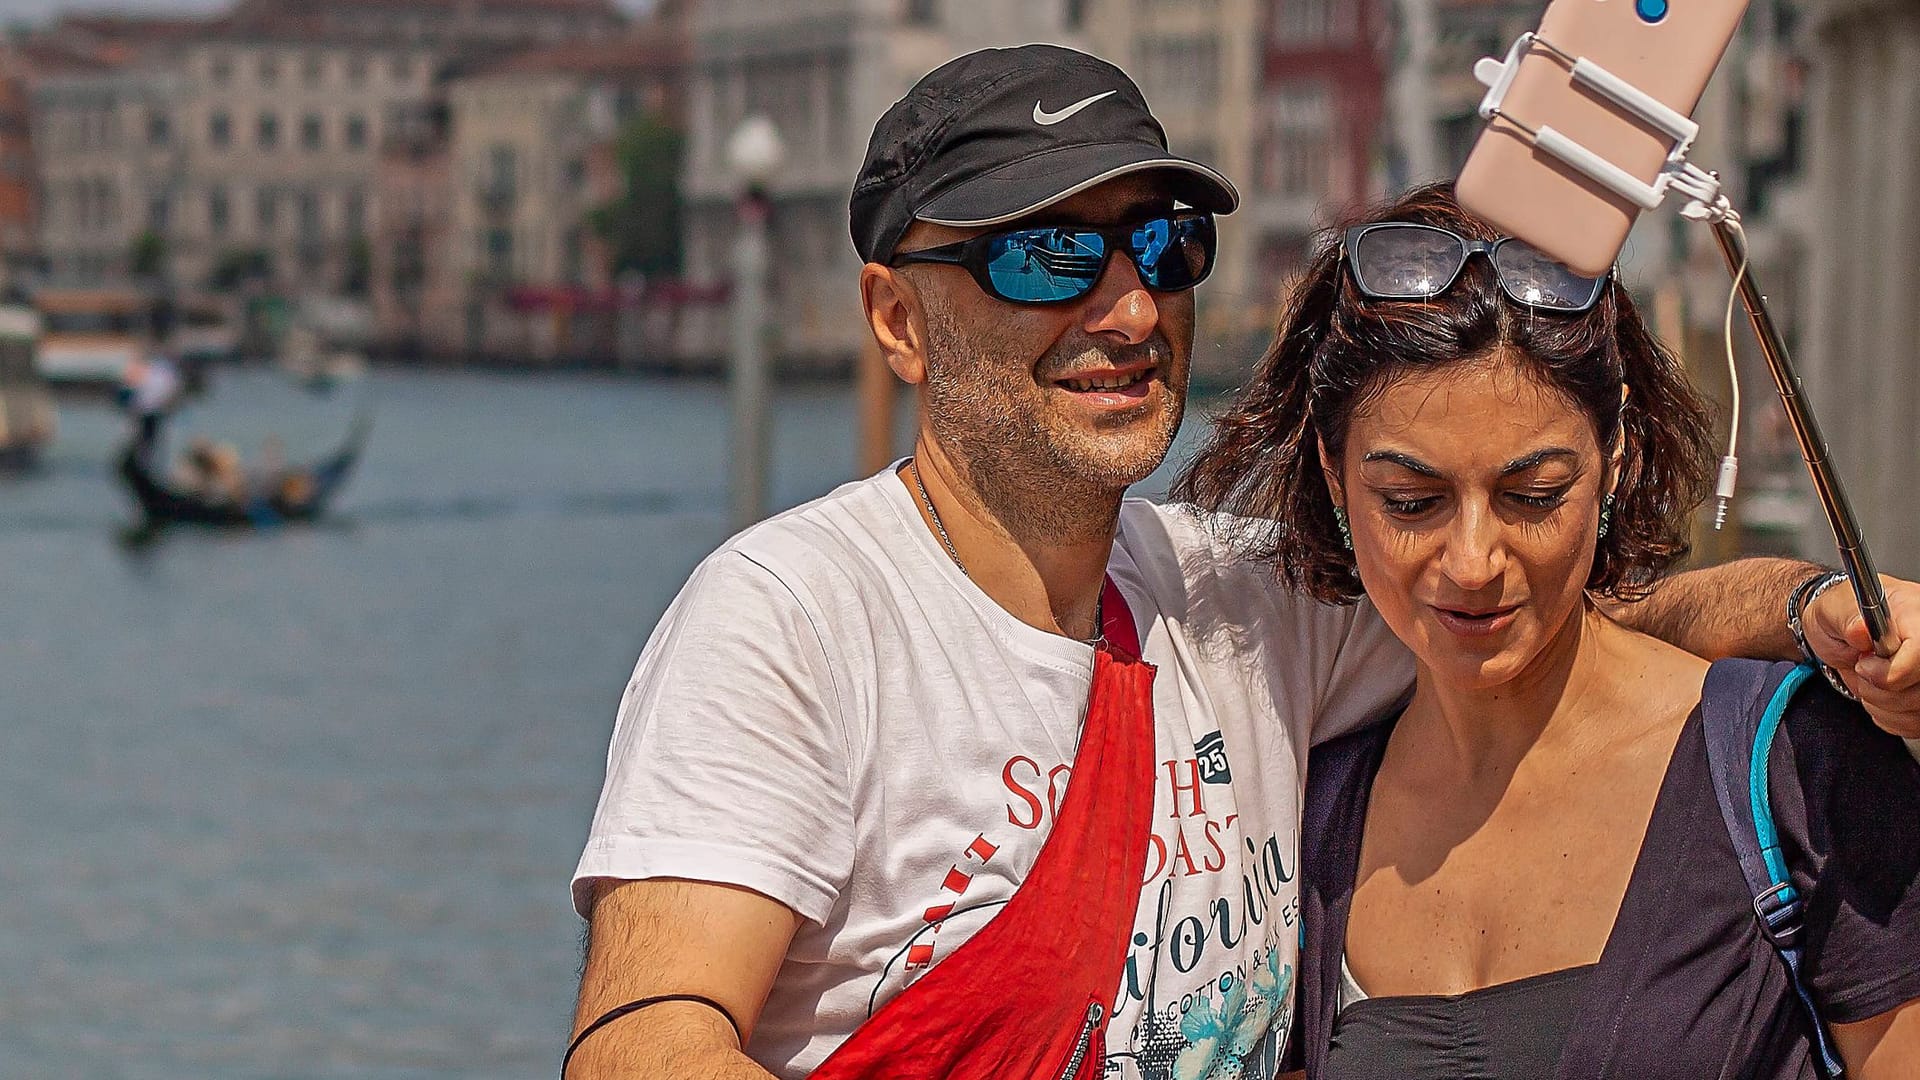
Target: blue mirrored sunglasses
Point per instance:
(1056, 263)
(1399, 260)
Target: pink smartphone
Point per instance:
(1667, 48)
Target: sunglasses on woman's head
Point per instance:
(1056, 263)
(1397, 260)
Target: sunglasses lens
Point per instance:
(1405, 262)
(1174, 253)
(1530, 277)
(1038, 266)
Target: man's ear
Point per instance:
(1332, 473)
(894, 315)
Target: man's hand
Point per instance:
(648, 938)
(1889, 687)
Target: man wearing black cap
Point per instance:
(850, 738)
(837, 836)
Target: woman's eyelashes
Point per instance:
(1410, 506)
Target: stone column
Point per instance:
(1861, 354)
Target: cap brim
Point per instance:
(1024, 187)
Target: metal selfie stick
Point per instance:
(1705, 203)
(1813, 446)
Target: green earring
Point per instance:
(1346, 531)
(1606, 515)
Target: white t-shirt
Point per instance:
(831, 714)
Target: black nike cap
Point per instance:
(998, 134)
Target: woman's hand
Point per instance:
(1889, 687)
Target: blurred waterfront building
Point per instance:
(415, 295)
(19, 213)
(451, 27)
(1863, 242)
(1318, 131)
(107, 167)
(282, 131)
(247, 143)
(822, 71)
(533, 158)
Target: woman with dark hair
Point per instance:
(1526, 872)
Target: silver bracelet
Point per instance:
(1803, 594)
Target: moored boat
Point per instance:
(28, 420)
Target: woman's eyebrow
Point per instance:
(1538, 457)
(1405, 461)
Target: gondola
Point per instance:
(162, 504)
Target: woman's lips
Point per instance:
(1470, 623)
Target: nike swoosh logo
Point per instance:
(1048, 119)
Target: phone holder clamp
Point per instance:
(1702, 188)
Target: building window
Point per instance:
(159, 129)
(402, 67)
(923, 12)
(269, 131)
(266, 210)
(1296, 156)
(220, 129)
(309, 217)
(496, 253)
(217, 211)
(356, 212)
(1315, 22)
(311, 131)
(314, 68)
(269, 70)
(158, 209)
(220, 69)
(573, 256)
(1076, 15)
(108, 202)
(1181, 71)
(502, 170)
(356, 132)
(357, 70)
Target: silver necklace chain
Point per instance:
(926, 500)
(938, 525)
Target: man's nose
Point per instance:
(1121, 304)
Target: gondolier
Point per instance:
(973, 769)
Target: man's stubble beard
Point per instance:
(1040, 482)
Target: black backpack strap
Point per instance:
(1741, 709)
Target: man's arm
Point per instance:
(648, 938)
(1735, 609)
(1739, 609)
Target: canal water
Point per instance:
(305, 803)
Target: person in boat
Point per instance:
(212, 470)
(150, 388)
(1523, 871)
(837, 836)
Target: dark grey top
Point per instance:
(1686, 987)
(1512, 1031)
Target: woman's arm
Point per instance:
(1885, 1047)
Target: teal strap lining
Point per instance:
(1757, 790)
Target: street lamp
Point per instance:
(754, 155)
